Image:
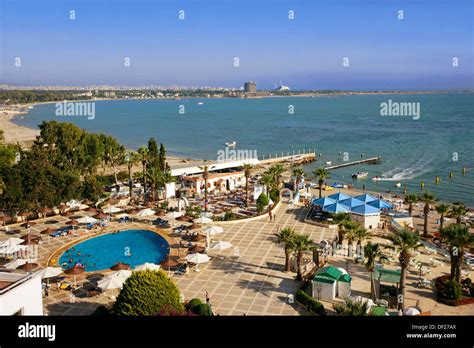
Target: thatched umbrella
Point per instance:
(45, 210)
(113, 201)
(194, 227)
(133, 212)
(30, 242)
(5, 218)
(88, 202)
(169, 263)
(68, 213)
(120, 266)
(90, 210)
(74, 271)
(161, 213)
(24, 214)
(63, 207)
(197, 249)
(49, 230)
(72, 223)
(30, 236)
(182, 218)
(101, 215)
(28, 266)
(28, 224)
(197, 238)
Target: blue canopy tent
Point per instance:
(367, 198)
(365, 210)
(337, 208)
(323, 201)
(352, 202)
(339, 196)
(380, 204)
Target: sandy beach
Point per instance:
(14, 133)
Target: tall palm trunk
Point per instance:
(404, 262)
(144, 181)
(452, 273)
(349, 248)
(372, 285)
(410, 209)
(320, 182)
(441, 222)
(459, 260)
(247, 191)
(205, 195)
(130, 179)
(287, 259)
(426, 211)
(299, 274)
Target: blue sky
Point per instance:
(305, 53)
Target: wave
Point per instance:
(419, 168)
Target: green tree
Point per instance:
(131, 159)
(299, 174)
(428, 199)
(458, 211)
(153, 153)
(372, 253)
(410, 199)
(341, 219)
(114, 154)
(268, 181)
(262, 202)
(248, 173)
(285, 237)
(321, 174)
(155, 177)
(146, 293)
(162, 158)
(276, 171)
(205, 176)
(442, 209)
(458, 238)
(405, 242)
(301, 243)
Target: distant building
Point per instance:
(110, 94)
(250, 87)
(282, 88)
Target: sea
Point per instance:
(415, 146)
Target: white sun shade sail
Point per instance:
(197, 258)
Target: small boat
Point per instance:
(200, 103)
(398, 184)
(377, 178)
(231, 143)
(360, 175)
(328, 163)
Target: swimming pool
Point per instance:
(134, 247)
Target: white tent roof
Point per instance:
(50, 272)
(203, 220)
(174, 214)
(114, 280)
(87, 220)
(111, 210)
(10, 242)
(15, 264)
(212, 230)
(197, 258)
(12, 249)
(146, 212)
(219, 246)
(123, 273)
(147, 266)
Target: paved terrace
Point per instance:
(252, 284)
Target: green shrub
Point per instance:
(275, 195)
(193, 303)
(452, 290)
(229, 215)
(146, 293)
(310, 303)
(100, 311)
(203, 310)
(262, 202)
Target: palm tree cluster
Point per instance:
(321, 174)
(271, 178)
(294, 243)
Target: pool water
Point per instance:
(133, 247)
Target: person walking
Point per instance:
(270, 215)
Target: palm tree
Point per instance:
(276, 171)
(301, 243)
(322, 174)
(299, 173)
(411, 199)
(247, 173)
(442, 209)
(285, 238)
(340, 219)
(427, 198)
(165, 178)
(361, 235)
(131, 158)
(372, 252)
(457, 237)
(154, 175)
(268, 181)
(458, 211)
(143, 153)
(352, 308)
(350, 230)
(405, 242)
(205, 176)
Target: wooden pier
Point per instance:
(373, 160)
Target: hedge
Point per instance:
(193, 303)
(146, 293)
(310, 303)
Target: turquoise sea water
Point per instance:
(412, 150)
(134, 247)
